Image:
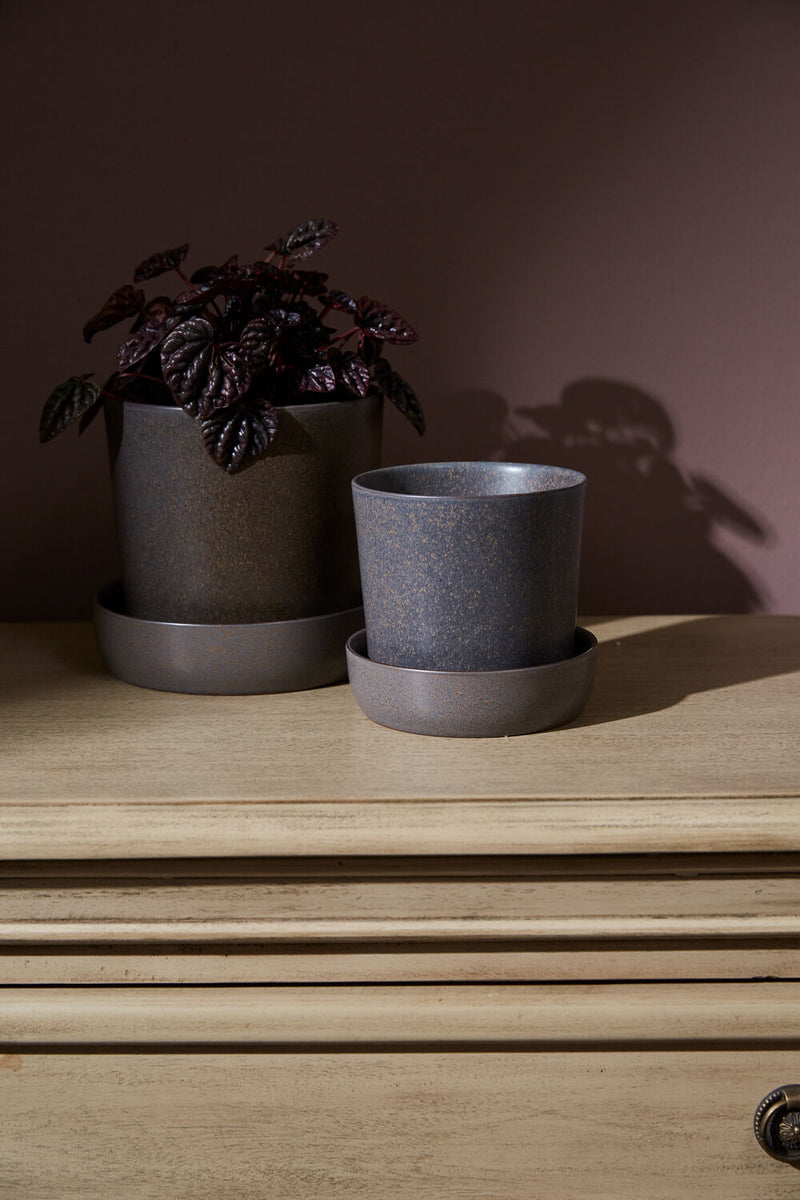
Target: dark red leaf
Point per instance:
(185, 358)
(228, 380)
(204, 275)
(65, 404)
(269, 273)
(201, 375)
(382, 322)
(285, 316)
(157, 264)
(125, 302)
(318, 378)
(354, 373)
(304, 240)
(305, 283)
(155, 321)
(199, 296)
(89, 416)
(340, 301)
(257, 340)
(147, 337)
(401, 395)
(237, 437)
(160, 308)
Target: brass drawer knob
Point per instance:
(777, 1123)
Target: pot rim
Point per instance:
(361, 483)
(168, 408)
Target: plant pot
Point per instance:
(275, 542)
(469, 566)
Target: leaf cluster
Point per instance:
(238, 342)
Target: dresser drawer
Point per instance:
(473, 1093)
(401, 919)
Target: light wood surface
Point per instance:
(477, 918)
(747, 1014)
(380, 965)
(625, 1125)
(369, 910)
(690, 742)
(445, 962)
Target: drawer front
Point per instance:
(422, 1125)
(447, 919)
(462, 1092)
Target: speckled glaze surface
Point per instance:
(275, 542)
(475, 704)
(222, 660)
(469, 566)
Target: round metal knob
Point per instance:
(777, 1123)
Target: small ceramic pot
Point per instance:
(469, 566)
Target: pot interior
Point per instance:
(467, 480)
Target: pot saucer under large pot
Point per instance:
(223, 660)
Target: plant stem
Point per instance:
(342, 337)
(139, 375)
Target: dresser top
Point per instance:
(690, 742)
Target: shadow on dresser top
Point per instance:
(658, 666)
(644, 664)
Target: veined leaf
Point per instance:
(156, 320)
(383, 323)
(237, 437)
(67, 402)
(318, 378)
(201, 375)
(125, 302)
(157, 264)
(340, 301)
(304, 240)
(257, 339)
(401, 395)
(354, 373)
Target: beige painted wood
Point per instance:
(275, 909)
(734, 1013)
(689, 743)
(233, 964)
(635, 826)
(209, 932)
(387, 919)
(648, 1125)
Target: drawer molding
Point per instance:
(288, 929)
(740, 1013)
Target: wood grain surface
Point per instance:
(690, 742)
(625, 1125)
(743, 1014)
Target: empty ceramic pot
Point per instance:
(469, 566)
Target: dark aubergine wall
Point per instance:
(588, 210)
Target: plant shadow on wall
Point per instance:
(649, 525)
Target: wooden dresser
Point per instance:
(258, 948)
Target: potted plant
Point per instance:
(239, 410)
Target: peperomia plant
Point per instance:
(239, 342)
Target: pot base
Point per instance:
(222, 660)
(473, 703)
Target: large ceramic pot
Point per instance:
(273, 543)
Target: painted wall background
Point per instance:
(587, 208)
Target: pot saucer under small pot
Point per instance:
(222, 660)
(473, 703)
